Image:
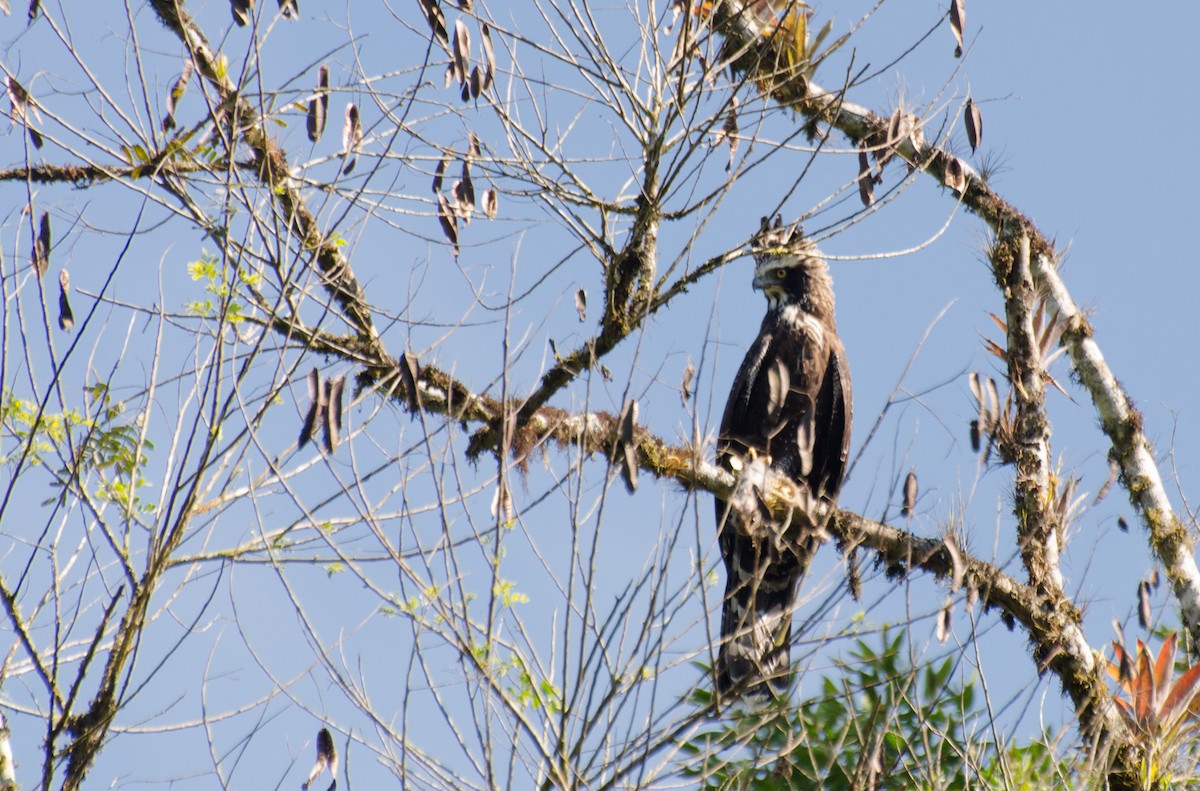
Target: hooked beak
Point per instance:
(765, 279)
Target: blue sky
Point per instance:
(1084, 116)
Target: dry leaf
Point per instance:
(974, 122)
(289, 9)
(910, 494)
(449, 220)
(581, 304)
(66, 319)
(175, 94)
(1122, 524)
(958, 19)
(35, 7)
(491, 204)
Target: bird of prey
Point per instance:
(789, 408)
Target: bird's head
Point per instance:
(790, 270)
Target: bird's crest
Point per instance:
(779, 248)
(774, 239)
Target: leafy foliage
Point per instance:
(879, 722)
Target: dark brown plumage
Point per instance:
(790, 406)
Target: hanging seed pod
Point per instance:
(489, 57)
(1144, 604)
(178, 88)
(866, 182)
(240, 9)
(449, 222)
(581, 304)
(312, 418)
(958, 19)
(439, 173)
(629, 467)
(467, 188)
(436, 20)
(974, 123)
(333, 411)
(318, 106)
(352, 137)
(945, 621)
(910, 494)
(730, 131)
(41, 246)
(326, 759)
(491, 204)
(685, 387)
(410, 373)
(66, 319)
(23, 108)
(462, 52)
(956, 177)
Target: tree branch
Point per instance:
(1169, 538)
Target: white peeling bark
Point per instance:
(1170, 541)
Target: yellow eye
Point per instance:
(781, 273)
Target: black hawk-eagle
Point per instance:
(789, 408)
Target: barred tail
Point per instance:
(756, 619)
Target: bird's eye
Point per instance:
(781, 273)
